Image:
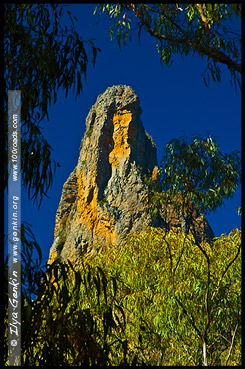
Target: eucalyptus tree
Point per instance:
(42, 55)
(212, 31)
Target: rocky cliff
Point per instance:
(102, 198)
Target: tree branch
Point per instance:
(189, 318)
(232, 343)
(229, 264)
(209, 51)
(56, 19)
(164, 13)
(205, 22)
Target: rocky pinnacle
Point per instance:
(102, 198)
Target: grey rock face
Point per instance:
(102, 198)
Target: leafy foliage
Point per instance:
(161, 296)
(70, 316)
(164, 291)
(75, 329)
(41, 57)
(149, 301)
(200, 171)
(208, 30)
(194, 178)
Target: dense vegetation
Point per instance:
(153, 300)
(161, 297)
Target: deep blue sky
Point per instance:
(174, 100)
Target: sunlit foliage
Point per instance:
(198, 170)
(212, 31)
(168, 296)
(154, 300)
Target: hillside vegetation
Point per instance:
(158, 299)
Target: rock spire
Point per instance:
(102, 198)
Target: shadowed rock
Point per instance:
(102, 198)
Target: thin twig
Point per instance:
(56, 19)
(230, 263)
(232, 343)
(190, 319)
(209, 51)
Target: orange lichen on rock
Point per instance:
(102, 198)
(155, 175)
(52, 256)
(121, 148)
(91, 215)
